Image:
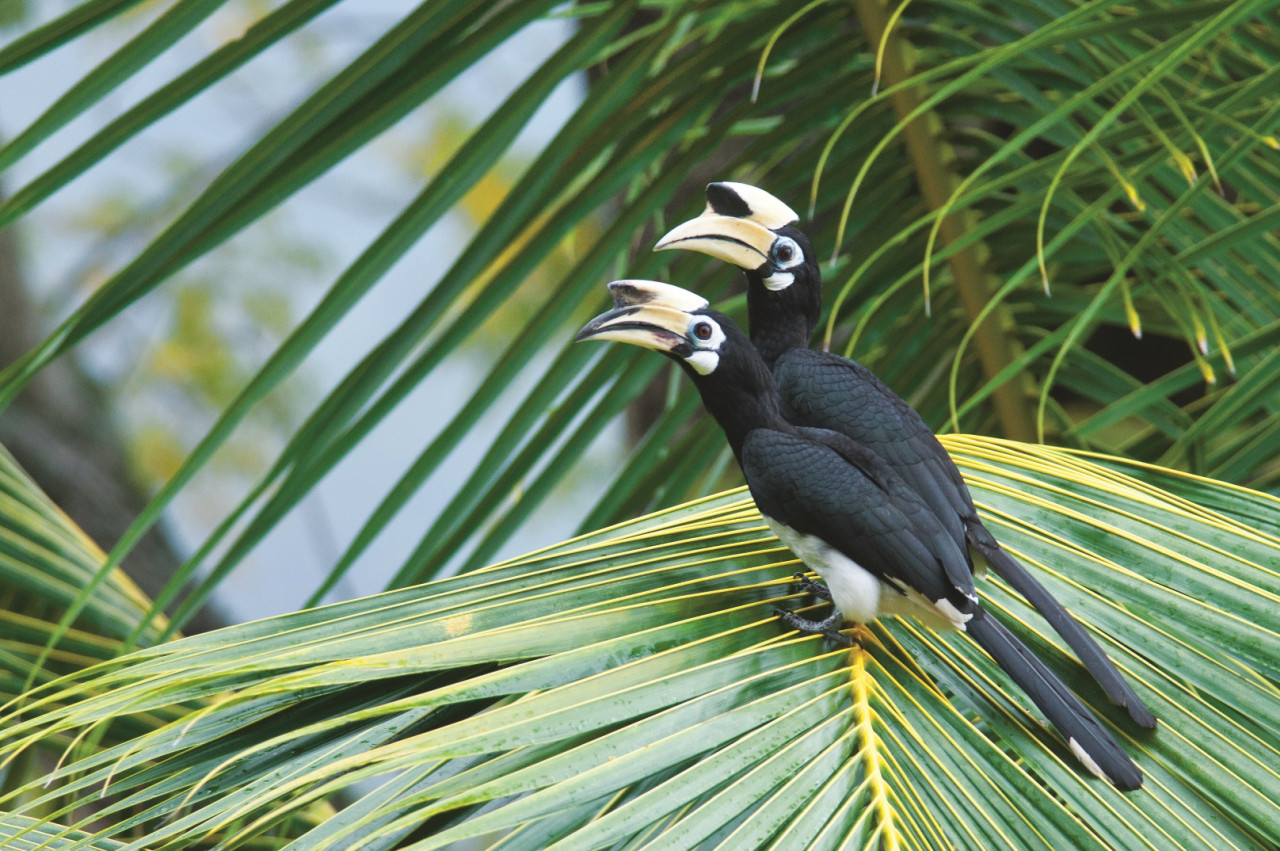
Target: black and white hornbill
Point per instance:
(755, 231)
(880, 548)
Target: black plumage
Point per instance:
(748, 227)
(880, 547)
(796, 472)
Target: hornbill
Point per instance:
(842, 509)
(754, 230)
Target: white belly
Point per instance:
(856, 592)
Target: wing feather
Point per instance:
(821, 483)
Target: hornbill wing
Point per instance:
(820, 483)
(827, 391)
(831, 392)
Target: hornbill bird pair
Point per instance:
(843, 470)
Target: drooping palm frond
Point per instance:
(1057, 139)
(633, 686)
(45, 560)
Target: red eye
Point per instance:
(702, 330)
(785, 252)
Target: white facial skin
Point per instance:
(706, 336)
(785, 254)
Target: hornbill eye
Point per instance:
(702, 330)
(785, 252)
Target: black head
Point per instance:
(735, 384)
(755, 231)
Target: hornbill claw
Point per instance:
(812, 586)
(829, 627)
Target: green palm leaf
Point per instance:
(634, 686)
(45, 559)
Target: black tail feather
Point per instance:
(1094, 659)
(1089, 740)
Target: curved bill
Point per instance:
(652, 326)
(633, 291)
(741, 242)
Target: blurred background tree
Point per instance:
(163, 373)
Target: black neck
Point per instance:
(741, 395)
(777, 325)
(782, 320)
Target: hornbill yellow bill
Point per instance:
(752, 229)
(841, 509)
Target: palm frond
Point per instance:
(46, 559)
(634, 685)
(27, 834)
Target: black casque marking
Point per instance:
(726, 202)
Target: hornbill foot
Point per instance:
(830, 627)
(812, 586)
